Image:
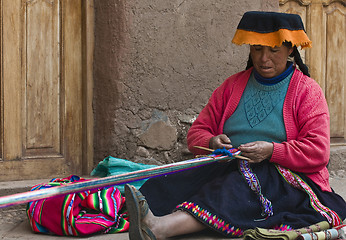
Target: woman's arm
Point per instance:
(206, 125)
(308, 146)
(221, 105)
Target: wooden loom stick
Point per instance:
(98, 183)
(212, 150)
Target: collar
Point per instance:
(274, 80)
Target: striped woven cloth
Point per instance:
(78, 214)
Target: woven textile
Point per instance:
(254, 184)
(78, 214)
(302, 233)
(297, 182)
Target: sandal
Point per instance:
(137, 208)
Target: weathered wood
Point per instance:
(43, 93)
(41, 82)
(335, 67)
(325, 26)
(88, 61)
(11, 73)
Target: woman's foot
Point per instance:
(145, 226)
(139, 215)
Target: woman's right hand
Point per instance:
(220, 141)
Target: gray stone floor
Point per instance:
(14, 224)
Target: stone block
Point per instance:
(159, 136)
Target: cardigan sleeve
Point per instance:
(308, 131)
(206, 125)
(220, 106)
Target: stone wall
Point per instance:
(157, 63)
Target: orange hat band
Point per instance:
(272, 39)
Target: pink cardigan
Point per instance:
(306, 119)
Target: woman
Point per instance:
(277, 116)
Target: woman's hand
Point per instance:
(220, 141)
(257, 151)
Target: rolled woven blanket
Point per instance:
(266, 234)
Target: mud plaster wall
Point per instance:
(157, 63)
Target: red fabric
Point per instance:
(78, 214)
(306, 119)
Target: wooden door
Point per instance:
(45, 89)
(325, 25)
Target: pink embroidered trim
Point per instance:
(283, 227)
(212, 220)
(293, 179)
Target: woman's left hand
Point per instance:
(257, 151)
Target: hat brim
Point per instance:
(272, 39)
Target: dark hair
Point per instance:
(249, 63)
(296, 56)
(298, 60)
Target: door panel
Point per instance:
(42, 104)
(335, 67)
(325, 25)
(42, 84)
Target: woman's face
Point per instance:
(269, 62)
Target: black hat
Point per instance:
(271, 29)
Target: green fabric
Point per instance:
(266, 234)
(111, 166)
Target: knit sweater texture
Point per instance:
(306, 119)
(259, 116)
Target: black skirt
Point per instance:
(218, 195)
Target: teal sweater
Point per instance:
(259, 115)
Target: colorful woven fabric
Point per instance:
(329, 234)
(341, 230)
(297, 182)
(78, 214)
(255, 186)
(250, 178)
(266, 234)
(223, 151)
(213, 220)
